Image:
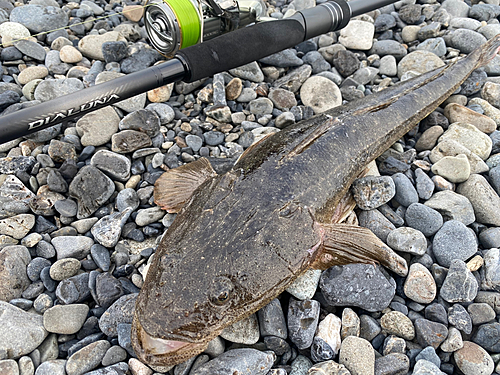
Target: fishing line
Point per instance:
(75, 24)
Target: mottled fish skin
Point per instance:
(247, 234)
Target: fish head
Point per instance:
(215, 265)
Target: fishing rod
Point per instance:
(176, 30)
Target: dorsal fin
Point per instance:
(175, 186)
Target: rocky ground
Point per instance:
(78, 225)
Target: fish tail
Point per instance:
(488, 51)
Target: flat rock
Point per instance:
(237, 361)
(459, 285)
(72, 246)
(65, 319)
(484, 199)
(450, 147)
(470, 137)
(119, 312)
(13, 277)
(357, 35)
(87, 358)
(91, 45)
(91, 188)
(244, 331)
(360, 285)
(96, 128)
(21, 332)
(452, 206)
(458, 113)
(419, 62)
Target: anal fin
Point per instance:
(344, 244)
(174, 187)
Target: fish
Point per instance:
(241, 238)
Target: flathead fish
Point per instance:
(242, 237)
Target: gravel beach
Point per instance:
(78, 225)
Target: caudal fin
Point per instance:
(488, 51)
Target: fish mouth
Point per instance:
(162, 352)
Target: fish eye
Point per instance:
(220, 290)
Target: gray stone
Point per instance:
(373, 191)
(114, 165)
(38, 18)
(460, 285)
(119, 312)
(21, 332)
(360, 285)
(430, 333)
(87, 358)
(405, 192)
(245, 331)
(408, 240)
(302, 322)
(453, 241)
(238, 361)
(272, 320)
(72, 246)
(452, 206)
(65, 319)
(460, 318)
(357, 355)
(423, 218)
(91, 188)
(13, 276)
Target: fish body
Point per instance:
(242, 237)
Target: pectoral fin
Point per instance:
(344, 244)
(175, 186)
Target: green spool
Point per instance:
(189, 21)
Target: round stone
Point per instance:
(320, 93)
(407, 240)
(64, 268)
(65, 319)
(70, 54)
(420, 285)
(31, 73)
(357, 355)
(455, 169)
(419, 62)
(474, 360)
(453, 241)
(397, 323)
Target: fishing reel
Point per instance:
(175, 24)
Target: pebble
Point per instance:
(419, 62)
(320, 93)
(119, 312)
(406, 194)
(459, 285)
(420, 285)
(408, 240)
(91, 188)
(38, 18)
(460, 318)
(272, 320)
(470, 137)
(357, 355)
(305, 285)
(64, 268)
(393, 363)
(357, 35)
(238, 361)
(450, 147)
(302, 322)
(358, 285)
(430, 333)
(72, 246)
(453, 241)
(452, 206)
(52, 367)
(472, 359)
(481, 313)
(21, 332)
(65, 319)
(245, 331)
(13, 275)
(373, 191)
(396, 323)
(87, 358)
(458, 113)
(454, 169)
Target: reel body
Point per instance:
(175, 24)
